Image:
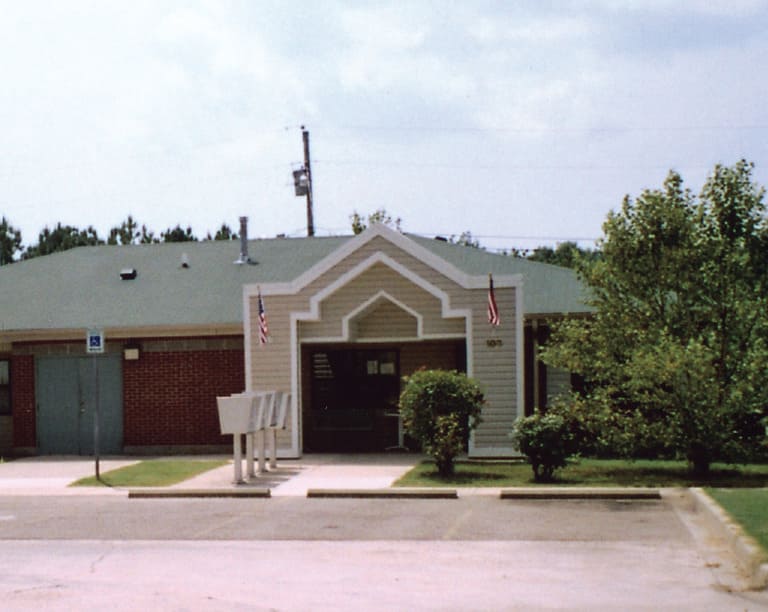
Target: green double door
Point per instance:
(67, 394)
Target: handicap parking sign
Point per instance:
(94, 341)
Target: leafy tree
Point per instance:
(465, 239)
(359, 223)
(177, 234)
(147, 236)
(566, 254)
(514, 252)
(126, 233)
(223, 233)
(10, 242)
(675, 357)
(62, 238)
(439, 408)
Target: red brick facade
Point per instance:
(23, 401)
(169, 398)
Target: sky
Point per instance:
(522, 122)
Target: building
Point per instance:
(348, 318)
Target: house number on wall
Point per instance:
(494, 342)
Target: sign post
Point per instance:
(94, 345)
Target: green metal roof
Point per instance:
(82, 288)
(547, 289)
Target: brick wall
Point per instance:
(23, 401)
(169, 398)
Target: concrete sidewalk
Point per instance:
(297, 476)
(53, 475)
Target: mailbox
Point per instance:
(235, 414)
(259, 409)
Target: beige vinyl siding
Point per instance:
(383, 246)
(271, 362)
(365, 287)
(385, 320)
(496, 368)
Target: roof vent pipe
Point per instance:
(244, 258)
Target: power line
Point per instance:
(508, 167)
(545, 130)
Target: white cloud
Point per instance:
(725, 8)
(385, 28)
(526, 30)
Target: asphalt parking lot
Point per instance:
(94, 548)
(292, 553)
(472, 518)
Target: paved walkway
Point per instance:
(53, 475)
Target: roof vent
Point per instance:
(128, 273)
(184, 260)
(244, 258)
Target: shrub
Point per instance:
(439, 408)
(546, 441)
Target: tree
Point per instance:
(439, 408)
(177, 234)
(465, 239)
(147, 236)
(126, 233)
(10, 242)
(62, 238)
(359, 224)
(223, 233)
(566, 254)
(674, 358)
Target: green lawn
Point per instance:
(587, 473)
(749, 507)
(153, 473)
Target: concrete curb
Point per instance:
(187, 493)
(391, 493)
(748, 553)
(580, 493)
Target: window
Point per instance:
(5, 386)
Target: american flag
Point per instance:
(493, 310)
(263, 327)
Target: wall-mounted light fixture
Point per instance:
(131, 353)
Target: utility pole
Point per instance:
(308, 171)
(302, 182)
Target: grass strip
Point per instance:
(152, 473)
(587, 473)
(749, 507)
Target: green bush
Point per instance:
(439, 408)
(546, 441)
